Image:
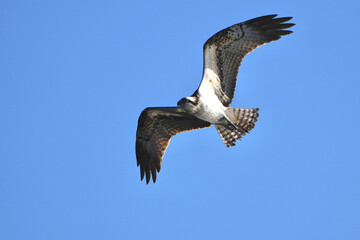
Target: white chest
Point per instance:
(211, 109)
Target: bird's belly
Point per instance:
(211, 111)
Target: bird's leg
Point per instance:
(227, 123)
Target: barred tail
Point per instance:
(243, 118)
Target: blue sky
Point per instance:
(75, 76)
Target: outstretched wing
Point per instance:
(156, 126)
(224, 51)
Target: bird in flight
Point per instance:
(209, 105)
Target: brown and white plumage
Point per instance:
(156, 126)
(209, 105)
(244, 119)
(224, 51)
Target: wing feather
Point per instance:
(156, 126)
(224, 51)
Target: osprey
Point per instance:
(209, 105)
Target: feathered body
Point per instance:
(209, 105)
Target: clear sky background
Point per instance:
(75, 76)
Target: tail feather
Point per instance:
(243, 118)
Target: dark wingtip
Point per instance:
(153, 173)
(284, 32)
(142, 172)
(261, 19)
(271, 27)
(268, 16)
(283, 19)
(147, 177)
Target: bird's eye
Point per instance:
(193, 103)
(181, 102)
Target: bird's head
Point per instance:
(189, 104)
